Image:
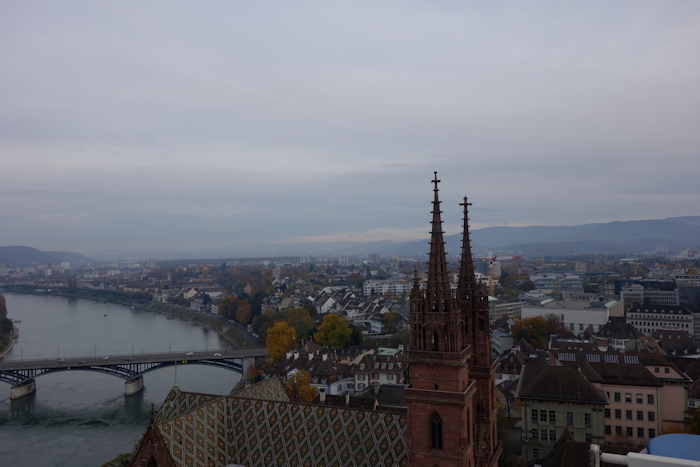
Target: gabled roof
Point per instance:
(541, 381)
(255, 432)
(178, 403)
(269, 389)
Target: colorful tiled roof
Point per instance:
(254, 432)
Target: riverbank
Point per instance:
(233, 334)
(10, 344)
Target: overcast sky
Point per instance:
(252, 127)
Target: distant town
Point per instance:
(620, 335)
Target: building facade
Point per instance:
(573, 405)
(648, 319)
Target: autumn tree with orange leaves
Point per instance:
(280, 339)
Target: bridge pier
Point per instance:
(24, 389)
(133, 386)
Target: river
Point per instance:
(80, 418)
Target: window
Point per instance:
(543, 416)
(436, 430)
(535, 453)
(640, 415)
(618, 414)
(650, 398)
(543, 435)
(552, 435)
(628, 397)
(552, 417)
(652, 433)
(534, 416)
(617, 397)
(534, 434)
(666, 370)
(607, 413)
(640, 432)
(589, 437)
(651, 416)
(628, 414)
(640, 398)
(607, 430)
(569, 418)
(587, 419)
(630, 432)
(618, 430)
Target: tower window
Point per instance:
(435, 341)
(436, 431)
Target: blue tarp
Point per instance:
(680, 446)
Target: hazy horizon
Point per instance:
(176, 127)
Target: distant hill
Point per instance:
(26, 256)
(620, 237)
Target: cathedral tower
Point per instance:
(441, 396)
(472, 297)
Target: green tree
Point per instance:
(391, 322)
(300, 319)
(334, 331)
(261, 324)
(280, 339)
(229, 307)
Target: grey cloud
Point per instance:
(173, 125)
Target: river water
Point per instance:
(80, 418)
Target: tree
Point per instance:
(261, 324)
(229, 307)
(533, 330)
(244, 313)
(391, 322)
(300, 319)
(334, 331)
(280, 340)
(299, 387)
(537, 329)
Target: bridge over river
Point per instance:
(21, 373)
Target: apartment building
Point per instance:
(648, 319)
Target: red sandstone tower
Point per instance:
(447, 410)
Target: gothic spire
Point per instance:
(438, 291)
(467, 279)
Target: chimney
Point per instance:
(347, 398)
(322, 395)
(324, 357)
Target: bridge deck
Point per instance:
(110, 360)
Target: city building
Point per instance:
(638, 294)
(499, 309)
(558, 400)
(646, 394)
(618, 335)
(651, 318)
(386, 287)
(574, 320)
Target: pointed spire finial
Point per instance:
(467, 279)
(438, 289)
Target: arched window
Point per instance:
(435, 345)
(436, 431)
